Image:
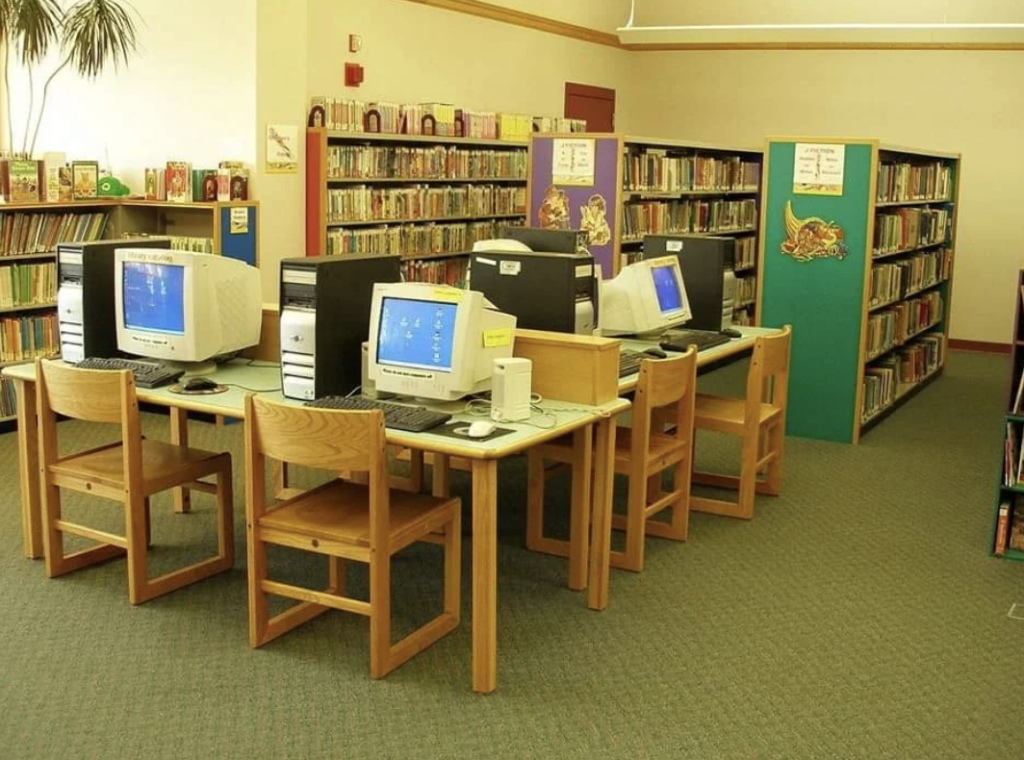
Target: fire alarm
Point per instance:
(353, 75)
(355, 43)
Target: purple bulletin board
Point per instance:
(593, 207)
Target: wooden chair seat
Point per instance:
(163, 465)
(714, 411)
(663, 451)
(340, 511)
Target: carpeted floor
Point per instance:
(858, 616)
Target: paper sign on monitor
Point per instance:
(497, 338)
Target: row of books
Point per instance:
(412, 240)
(28, 284)
(656, 171)
(894, 326)
(914, 182)
(746, 290)
(361, 203)
(180, 242)
(8, 398)
(886, 380)
(442, 272)
(434, 162)
(178, 182)
(443, 119)
(743, 318)
(678, 217)
(896, 280)
(24, 233)
(746, 253)
(909, 228)
(1010, 520)
(28, 337)
(51, 180)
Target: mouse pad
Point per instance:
(460, 430)
(179, 388)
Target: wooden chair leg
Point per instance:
(680, 522)
(225, 515)
(337, 570)
(149, 524)
(53, 538)
(579, 511)
(380, 616)
(534, 501)
(633, 556)
(453, 566)
(135, 530)
(776, 443)
(256, 556)
(748, 477)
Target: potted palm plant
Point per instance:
(90, 35)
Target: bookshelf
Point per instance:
(1008, 529)
(426, 197)
(860, 262)
(656, 186)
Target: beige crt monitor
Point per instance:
(435, 342)
(646, 298)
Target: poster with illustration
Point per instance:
(572, 187)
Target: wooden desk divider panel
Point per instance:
(578, 368)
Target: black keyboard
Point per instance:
(681, 340)
(413, 419)
(147, 374)
(629, 361)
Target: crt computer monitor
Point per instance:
(707, 267)
(435, 342)
(185, 307)
(646, 298)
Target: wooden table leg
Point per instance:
(601, 519)
(440, 478)
(179, 437)
(581, 507)
(485, 575)
(28, 470)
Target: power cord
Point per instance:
(548, 419)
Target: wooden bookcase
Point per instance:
(632, 176)
(860, 350)
(1011, 490)
(384, 193)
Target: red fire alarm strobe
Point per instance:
(353, 75)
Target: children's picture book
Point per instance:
(85, 176)
(179, 182)
(65, 185)
(24, 178)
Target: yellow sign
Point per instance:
(664, 261)
(445, 293)
(497, 338)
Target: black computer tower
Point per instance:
(544, 291)
(548, 241)
(706, 263)
(86, 303)
(325, 306)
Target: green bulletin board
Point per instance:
(822, 296)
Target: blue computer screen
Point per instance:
(154, 297)
(667, 288)
(417, 334)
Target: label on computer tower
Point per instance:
(512, 268)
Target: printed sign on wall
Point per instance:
(818, 169)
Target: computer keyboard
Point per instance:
(147, 374)
(413, 419)
(681, 340)
(629, 362)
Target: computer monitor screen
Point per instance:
(418, 334)
(154, 297)
(667, 289)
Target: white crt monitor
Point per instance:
(435, 342)
(645, 298)
(183, 306)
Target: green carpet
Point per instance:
(858, 616)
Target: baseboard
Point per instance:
(979, 346)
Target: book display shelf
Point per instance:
(648, 186)
(426, 197)
(1008, 520)
(857, 253)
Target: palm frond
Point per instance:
(7, 14)
(97, 32)
(34, 26)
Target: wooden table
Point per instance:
(483, 455)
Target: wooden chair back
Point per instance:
(90, 396)
(669, 387)
(325, 439)
(768, 378)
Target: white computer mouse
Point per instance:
(480, 429)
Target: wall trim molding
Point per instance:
(979, 346)
(597, 37)
(528, 20)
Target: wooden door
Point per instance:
(595, 104)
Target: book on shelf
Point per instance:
(155, 184)
(904, 181)
(85, 177)
(364, 203)
(28, 337)
(39, 232)
(1002, 529)
(1016, 538)
(178, 178)
(688, 216)
(53, 162)
(28, 284)
(908, 228)
(204, 185)
(655, 170)
(414, 241)
(22, 180)
(367, 162)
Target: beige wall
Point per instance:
(956, 101)
(675, 12)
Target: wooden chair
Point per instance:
(759, 420)
(343, 520)
(666, 389)
(130, 472)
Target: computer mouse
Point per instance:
(480, 429)
(731, 332)
(199, 384)
(656, 353)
